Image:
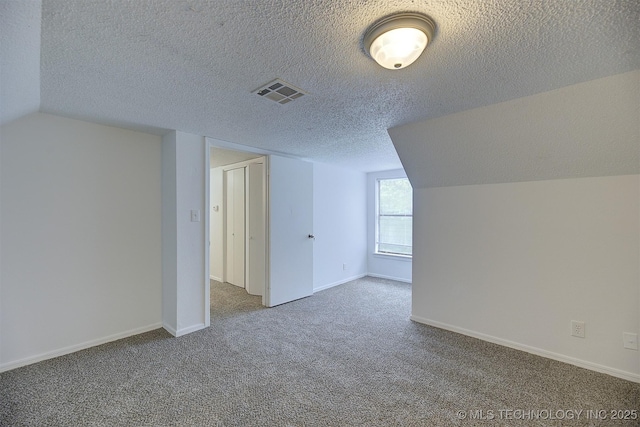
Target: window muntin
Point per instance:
(394, 217)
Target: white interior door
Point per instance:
(290, 227)
(235, 225)
(256, 225)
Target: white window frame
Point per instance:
(377, 223)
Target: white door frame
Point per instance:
(207, 231)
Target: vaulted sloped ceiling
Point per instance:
(589, 129)
(191, 65)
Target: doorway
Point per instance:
(285, 271)
(238, 219)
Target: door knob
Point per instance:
(311, 236)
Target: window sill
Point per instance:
(406, 258)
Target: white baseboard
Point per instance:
(77, 347)
(381, 276)
(169, 329)
(339, 282)
(184, 331)
(217, 279)
(533, 350)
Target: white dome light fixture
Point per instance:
(397, 41)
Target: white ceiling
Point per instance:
(191, 65)
(19, 59)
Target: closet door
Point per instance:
(235, 226)
(256, 222)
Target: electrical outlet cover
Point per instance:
(577, 328)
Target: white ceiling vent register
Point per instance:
(279, 91)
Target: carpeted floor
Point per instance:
(347, 356)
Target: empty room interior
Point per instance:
(276, 213)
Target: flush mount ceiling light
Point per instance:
(397, 41)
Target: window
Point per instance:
(394, 217)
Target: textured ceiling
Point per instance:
(191, 65)
(19, 59)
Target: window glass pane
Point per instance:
(394, 249)
(395, 209)
(395, 197)
(395, 234)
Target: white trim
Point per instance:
(382, 276)
(193, 328)
(207, 233)
(77, 347)
(217, 279)
(242, 164)
(395, 257)
(219, 143)
(266, 295)
(339, 282)
(169, 329)
(630, 376)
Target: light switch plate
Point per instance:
(195, 215)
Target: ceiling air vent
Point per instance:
(279, 91)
